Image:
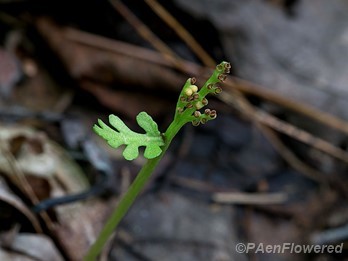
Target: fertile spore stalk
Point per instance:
(191, 101)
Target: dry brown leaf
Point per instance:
(36, 155)
(10, 198)
(98, 70)
(44, 162)
(12, 256)
(39, 247)
(78, 229)
(10, 72)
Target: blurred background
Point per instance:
(270, 169)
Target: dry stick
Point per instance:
(182, 33)
(256, 90)
(250, 198)
(115, 46)
(330, 236)
(288, 129)
(147, 34)
(242, 105)
(301, 135)
(130, 50)
(290, 157)
(194, 184)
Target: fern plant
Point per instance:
(188, 109)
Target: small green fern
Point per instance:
(152, 139)
(188, 109)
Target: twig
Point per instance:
(283, 127)
(115, 46)
(301, 108)
(250, 198)
(301, 135)
(241, 104)
(330, 236)
(147, 34)
(290, 157)
(193, 184)
(182, 33)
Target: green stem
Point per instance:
(129, 197)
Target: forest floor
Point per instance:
(269, 171)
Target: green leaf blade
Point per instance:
(118, 124)
(152, 140)
(148, 124)
(152, 151)
(111, 136)
(131, 152)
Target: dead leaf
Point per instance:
(38, 156)
(11, 256)
(10, 72)
(78, 229)
(6, 195)
(43, 162)
(98, 69)
(39, 247)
